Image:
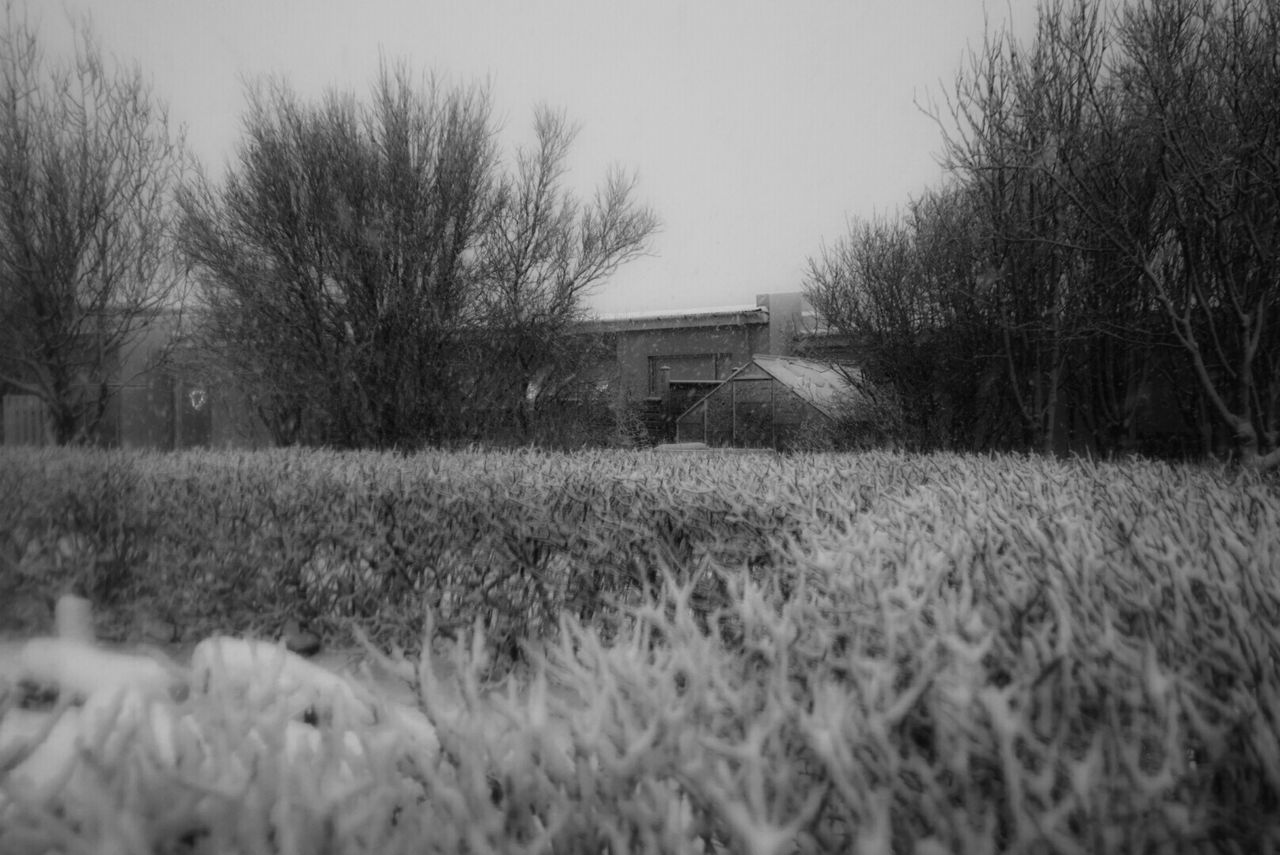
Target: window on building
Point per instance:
(703, 367)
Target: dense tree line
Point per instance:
(373, 277)
(370, 272)
(1110, 227)
(88, 168)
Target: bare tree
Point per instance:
(1184, 186)
(88, 164)
(973, 408)
(1015, 108)
(1123, 184)
(1066, 141)
(336, 261)
(1204, 79)
(370, 276)
(543, 254)
(907, 292)
(868, 286)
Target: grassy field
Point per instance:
(756, 653)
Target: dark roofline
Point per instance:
(729, 317)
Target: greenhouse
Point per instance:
(773, 401)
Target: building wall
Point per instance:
(691, 353)
(694, 348)
(702, 346)
(160, 403)
(787, 321)
(657, 360)
(155, 403)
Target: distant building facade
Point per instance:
(660, 362)
(156, 401)
(658, 365)
(666, 361)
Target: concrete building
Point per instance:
(154, 403)
(660, 362)
(665, 361)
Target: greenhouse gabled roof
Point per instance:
(822, 384)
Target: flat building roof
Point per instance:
(671, 319)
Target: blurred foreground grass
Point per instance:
(876, 653)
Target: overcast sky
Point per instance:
(756, 129)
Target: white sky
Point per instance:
(756, 129)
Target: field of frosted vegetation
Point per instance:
(672, 653)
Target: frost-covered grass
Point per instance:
(751, 653)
